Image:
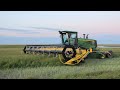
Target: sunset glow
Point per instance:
(104, 26)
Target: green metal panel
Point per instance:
(87, 43)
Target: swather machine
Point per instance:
(72, 51)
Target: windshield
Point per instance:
(73, 35)
(69, 38)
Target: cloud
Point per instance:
(46, 28)
(27, 33)
(12, 29)
(51, 32)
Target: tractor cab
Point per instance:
(69, 38)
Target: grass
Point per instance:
(14, 64)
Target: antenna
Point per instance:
(87, 36)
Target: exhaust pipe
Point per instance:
(84, 36)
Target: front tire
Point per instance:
(64, 52)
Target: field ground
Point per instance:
(14, 64)
(110, 45)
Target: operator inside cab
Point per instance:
(69, 38)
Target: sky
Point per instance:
(41, 27)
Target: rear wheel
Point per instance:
(24, 50)
(109, 54)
